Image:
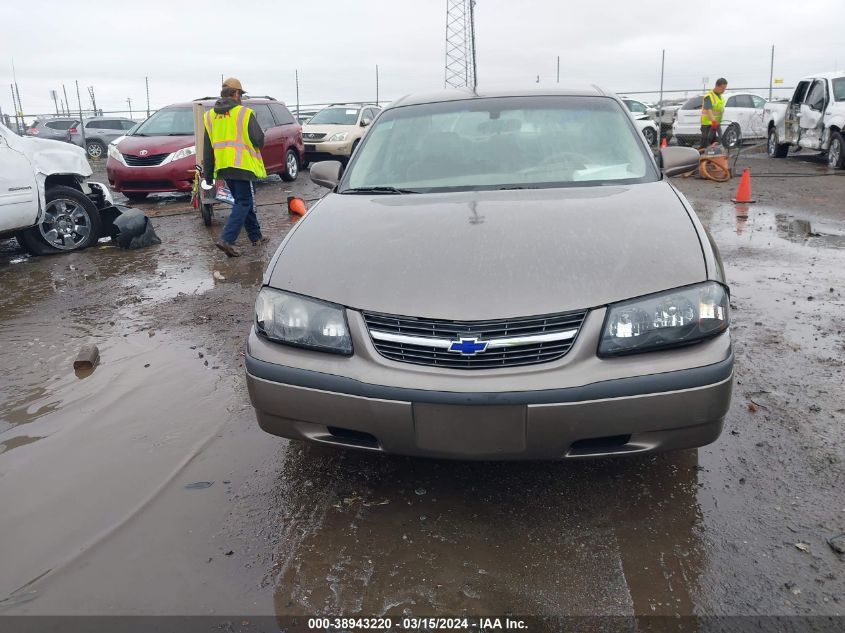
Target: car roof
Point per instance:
(460, 94)
(210, 101)
(835, 74)
(108, 118)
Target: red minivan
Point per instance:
(160, 154)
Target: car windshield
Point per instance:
(168, 122)
(500, 143)
(335, 116)
(693, 104)
(839, 89)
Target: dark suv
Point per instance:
(160, 154)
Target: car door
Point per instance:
(273, 152)
(792, 131)
(18, 189)
(810, 116)
(739, 109)
(757, 128)
(291, 131)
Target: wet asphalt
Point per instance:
(146, 487)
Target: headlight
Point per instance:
(182, 153)
(666, 319)
(296, 320)
(340, 136)
(114, 152)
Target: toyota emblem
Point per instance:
(143, 152)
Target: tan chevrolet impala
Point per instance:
(502, 275)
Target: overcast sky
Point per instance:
(184, 47)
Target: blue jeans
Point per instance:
(243, 213)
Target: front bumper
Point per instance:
(327, 150)
(175, 176)
(674, 407)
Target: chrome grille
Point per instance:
(313, 136)
(144, 161)
(511, 342)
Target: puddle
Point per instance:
(763, 227)
(15, 442)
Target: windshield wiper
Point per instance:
(378, 190)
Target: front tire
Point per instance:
(774, 148)
(291, 166)
(836, 152)
(95, 150)
(71, 222)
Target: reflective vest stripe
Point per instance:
(239, 127)
(238, 146)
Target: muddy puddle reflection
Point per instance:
(370, 534)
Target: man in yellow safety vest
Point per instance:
(233, 142)
(712, 109)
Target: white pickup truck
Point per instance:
(46, 201)
(814, 118)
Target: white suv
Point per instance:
(46, 201)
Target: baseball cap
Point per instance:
(233, 83)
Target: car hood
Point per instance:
(496, 254)
(133, 145)
(51, 157)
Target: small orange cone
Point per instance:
(296, 205)
(743, 192)
(664, 143)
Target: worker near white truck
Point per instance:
(712, 109)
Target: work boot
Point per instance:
(227, 248)
(261, 240)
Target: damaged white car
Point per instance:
(46, 201)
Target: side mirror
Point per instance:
(327, 173)
(678, 160)
(366, 121)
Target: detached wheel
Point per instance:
(136, 196)
(650, 136)
(291, 166)
(207, 211)
(71, 222)
(836, 152)
(96, 150)
(732, 137)
(774, 148)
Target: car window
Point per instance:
(522, 142)
(128, 125)
(93, 125)
(839, 89)
(693, 104)
(262, 113)
(800, 91)
(281, 114)
(759, 102)
(168, 122)
(815, 97)
(635, 106)
(60, 125)
(731, 103)
(743, 101)
(336, 116)
(369, 114)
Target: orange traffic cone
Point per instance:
(664, 143)
(743, 192)
(296, 205)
